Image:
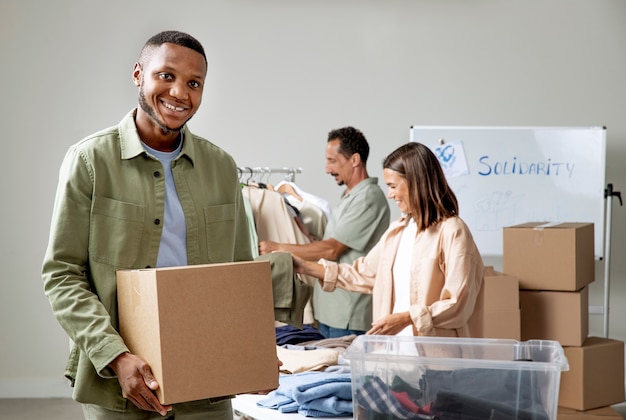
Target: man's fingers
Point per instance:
(149, 399)
(148, 379)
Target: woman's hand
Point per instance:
(310, 268)
(298, 264)
(391, 324)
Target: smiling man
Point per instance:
(144, 193)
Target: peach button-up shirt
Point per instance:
(446, 277)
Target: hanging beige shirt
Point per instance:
(446, 277)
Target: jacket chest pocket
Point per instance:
(220, 232)
(116, 228)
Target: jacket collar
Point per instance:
(131, 145)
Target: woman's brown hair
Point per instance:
(430, 197)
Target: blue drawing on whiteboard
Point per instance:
(451, 156)
(446, 156)
(496, 209)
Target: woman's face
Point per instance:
(398, 189)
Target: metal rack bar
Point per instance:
(290, 173)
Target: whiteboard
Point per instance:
(504, 176)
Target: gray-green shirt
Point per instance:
(358, 221)
(107, 216)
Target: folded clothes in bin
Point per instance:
(454, 378)
(485, 389)
(381, 402)
(462, 394)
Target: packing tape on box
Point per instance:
(546, 225)
(538, 234)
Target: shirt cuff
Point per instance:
(331, 270)
(422, 319)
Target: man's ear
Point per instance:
(137, 74)
(356, 159)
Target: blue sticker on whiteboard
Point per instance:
(451, 156)
(446, 155)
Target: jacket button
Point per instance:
(157, 221)
(156, 174)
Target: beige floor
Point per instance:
(39, 409)
(66, 409)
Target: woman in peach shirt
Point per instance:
(426, 272)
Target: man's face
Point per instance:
(336, 164)
(170, 83)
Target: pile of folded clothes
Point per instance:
(312, 394)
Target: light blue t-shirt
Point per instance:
(173, 247)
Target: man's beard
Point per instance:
(143, 103)
(338, 181)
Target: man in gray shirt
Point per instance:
(354, 227)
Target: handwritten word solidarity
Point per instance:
(517, 167)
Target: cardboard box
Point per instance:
(500, 307)
(604, 413)
(558, 316)
(596, 374)
(205, 330)
(547, 256)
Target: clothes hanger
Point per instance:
(250, 176)
(287, 188)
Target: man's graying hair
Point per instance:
(172, 37)
(351, 141)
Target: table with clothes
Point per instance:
(315, 382)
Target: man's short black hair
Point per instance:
(173, 37)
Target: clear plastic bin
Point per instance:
(454, 378)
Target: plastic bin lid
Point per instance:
(532, 354)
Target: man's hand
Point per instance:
(138, 384)
(266, 247)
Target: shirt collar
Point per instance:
(361, 185)
(130, 142)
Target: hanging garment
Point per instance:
(314, 211)
(273, 218)
(316, 201)
(290, 294)
(275, 221)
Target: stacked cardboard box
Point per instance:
(604, 413)
(596, 374)
(498, 306)
(555, 263)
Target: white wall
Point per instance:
(282, 73)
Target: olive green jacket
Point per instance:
(107, 216)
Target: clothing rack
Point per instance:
(248, 173)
